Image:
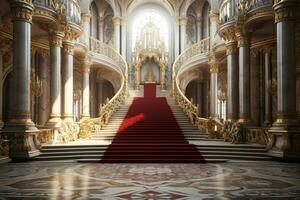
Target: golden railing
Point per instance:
(209, 126)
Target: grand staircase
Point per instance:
(109, 146)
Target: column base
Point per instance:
(23, 142)
(85, 117)
(53, 122)
(284, 141)
(231, 120)
(244, 121)
(68, 118)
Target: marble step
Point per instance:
(225, 145)
(123, 151)
(98, 160)
(206, 156)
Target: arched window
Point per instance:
(191, 28)
(94, 21)
(205, 20)
(154, 18)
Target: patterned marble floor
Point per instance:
(234, 180)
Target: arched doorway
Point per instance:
(150, 69)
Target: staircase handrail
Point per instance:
(209, 126)
(111, 105)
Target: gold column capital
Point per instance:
(228, 34)
(70, 34)
(22, 10)
(117, 20)
(267, 49)
(285, 10)
(56, 38)
(214, 68)
(213, 16)
(231, 48)
(242, 40)
(123, 21)
(86, 16)
(68, 47)
(183, 20)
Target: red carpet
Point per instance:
(150, 90)
(150, 133)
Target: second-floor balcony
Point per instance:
(68, 9)
(229, 9)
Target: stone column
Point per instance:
(214, 19)
(93, 95)
(199, 96)
(20, 129)
(55, 78)
(199, 29)
(43, 103)
(100, 98)
(232, 81)
(117, 25)
(86, 89)
(183, 22)
(124, 37)
(244, 78)
(285, 132)
(137, 77)
(86, 19)
(1, 90)
(68, 50)
(214, 69)
(101, 29)
(268, 99)
(254, 88)
(176, 37)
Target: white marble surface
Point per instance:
(235, 180)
